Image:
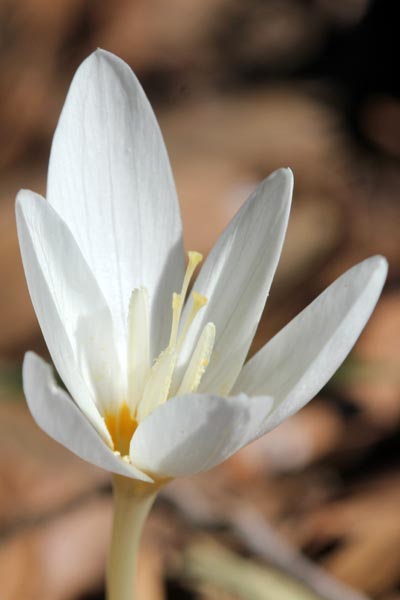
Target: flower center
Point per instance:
(150, 385)
(163, 380)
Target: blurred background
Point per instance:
(312, 511)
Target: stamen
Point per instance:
(138, 346)
(151, 387)
(178, 300)
(198, 302)
(176, 314)
(199, 361)
(158, 384)
(195, 259)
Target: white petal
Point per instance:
(74, 318)
(237, 276)
(193, 433)
(55, 413)
(111, 182)
(301, 358)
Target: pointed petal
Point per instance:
(55, 413)
(193, 433)
(236, 279)
(111, 182)
(74, 318)
(301, 358)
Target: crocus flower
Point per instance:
(156, 379)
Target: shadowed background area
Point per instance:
(240, 89)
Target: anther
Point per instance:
(198, 302)
(178, 300)
(199, 361)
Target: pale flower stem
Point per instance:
(132, 503)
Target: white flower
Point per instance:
(155, 396)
